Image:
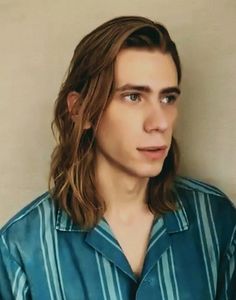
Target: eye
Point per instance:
(169, 99)
(132, 97)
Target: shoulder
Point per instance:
(207, 207)
(27, 221)
(194, 185)
(193, 190)
(196, 193)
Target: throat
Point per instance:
(133, 245)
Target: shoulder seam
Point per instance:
(206, 188)
(16, 218)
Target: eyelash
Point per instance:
(172, 98)
(132, 94)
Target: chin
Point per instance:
(150, 173)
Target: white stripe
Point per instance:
(167, 278)
(157, 226)
(181, 214)
(203, 247)
(21, 286)
(157, 238)
(57, 257)
(214, 228)
(105, 226)
(105, 237)
(26, 291)
(109, 279)
(159, 277)
(15, 282)
(100, 275)
(210, 243)
(174, 275)
(118, 283)
(43, 252)
(4, 242)
(50, 246)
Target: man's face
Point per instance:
(141, 114)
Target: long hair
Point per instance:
(91, 74)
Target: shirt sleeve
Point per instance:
(227, 275)
(13, 281)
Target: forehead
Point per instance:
(145, 67)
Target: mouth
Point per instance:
(153, 148)
(154, 152)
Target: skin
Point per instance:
(135, 117)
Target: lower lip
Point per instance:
(158, 154)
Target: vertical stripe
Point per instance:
(203, 245)
(211, 246)
(100, 276)
(156, 227)
(181, 214)
(16, 279)
(26, 293)
(49, 234)
(106, 287)
(85, 269)
(162, 279)
(61, 286)
(168, 282)
(159, 276)
(19, 284)
(109, 278)
(118, 283)
(41, 230)
(214, 234)
(167, 277)
(176, 289)
(21, 287)
(156, 239)
(108, 238)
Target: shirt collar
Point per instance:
(175, 221)
(102, 240)
(65, 223)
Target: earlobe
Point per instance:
(72, 98)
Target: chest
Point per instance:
(133, 239)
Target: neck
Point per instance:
(124, 194)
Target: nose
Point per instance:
(156, 118)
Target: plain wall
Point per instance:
(37, 43)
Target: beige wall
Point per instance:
(37, 41)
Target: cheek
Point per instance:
(117, 133)
(173, 116)
(118, 123)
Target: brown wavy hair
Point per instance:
(91, 74)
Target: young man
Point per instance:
(118, 223)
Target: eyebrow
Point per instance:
(147, 89)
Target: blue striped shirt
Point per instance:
(191, 254)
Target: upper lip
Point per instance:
(153, 148)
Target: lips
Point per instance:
(153, 152)
(152, 148)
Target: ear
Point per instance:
(72, 98)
